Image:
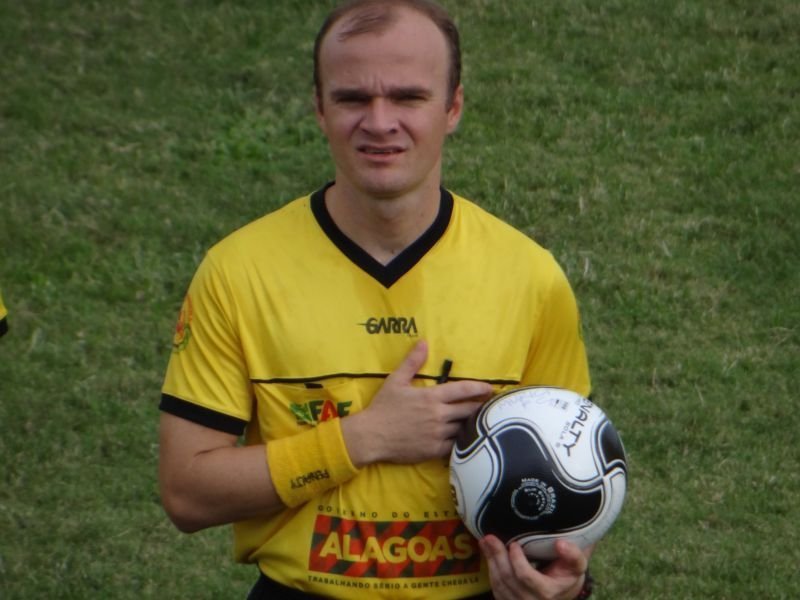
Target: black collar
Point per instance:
(401, 264)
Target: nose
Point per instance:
(379, 118)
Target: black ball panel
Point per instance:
(611, 449)
(528, 495)
(468, 433)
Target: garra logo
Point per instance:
(317, 411)
(390, 325)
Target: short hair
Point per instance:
(375, 16)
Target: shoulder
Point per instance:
(270, 243)
(497, 237)
(282, 233)
(273, 228)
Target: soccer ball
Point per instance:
(538, 464)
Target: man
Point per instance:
(326, 332)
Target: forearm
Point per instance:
(221, 486)
(206, 479)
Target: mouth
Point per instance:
(380, 150)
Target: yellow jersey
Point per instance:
(288, 323)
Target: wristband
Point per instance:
(305, 465)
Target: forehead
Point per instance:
(410, 45)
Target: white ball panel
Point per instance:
(564, 419)
(473, 476)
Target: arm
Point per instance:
(206, 479)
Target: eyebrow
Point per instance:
(395, 93)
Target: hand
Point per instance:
(406, 423)
(514, 578)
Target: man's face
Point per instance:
(383, 105)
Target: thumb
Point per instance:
(411, 364)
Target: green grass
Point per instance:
(653, 147)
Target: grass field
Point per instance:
(653, 147)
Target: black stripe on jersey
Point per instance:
(387, 274)
(3, 327)
(201, 415)
(317, 378)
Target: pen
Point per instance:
(445, 374)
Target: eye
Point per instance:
(410, 96)
(351, 99)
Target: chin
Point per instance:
(384, 190)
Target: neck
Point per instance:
(382, 227)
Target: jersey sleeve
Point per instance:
(557, 355)
(3, 318)
(207, 379)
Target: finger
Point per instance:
(458, 391)
(450, 432)
(568, 569)
(500, 569)
(574, 559)
(458, 413)
(493, 549)
(490, 552)
(521, 565)
(410, 365)
(530, 579)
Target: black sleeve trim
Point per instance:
(201, 415)
(3, 327)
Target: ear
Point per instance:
(456, 109)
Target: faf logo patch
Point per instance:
(183, 329)
(317, 411)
